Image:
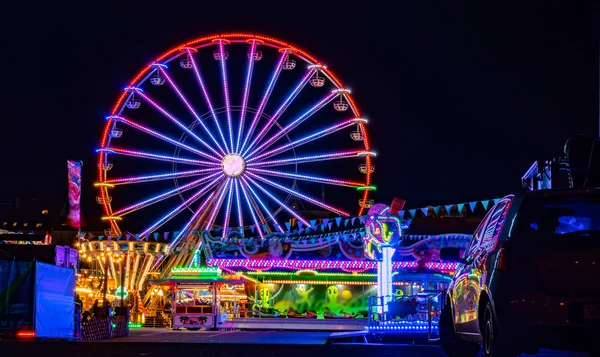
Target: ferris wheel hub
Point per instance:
(233, 165)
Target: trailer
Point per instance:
(37, 300)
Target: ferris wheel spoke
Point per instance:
(165, 138)
(239, 205)
(294, 124)
(263, 206)
(165, 195)
(160, 176)
(251, 208)
(220, 194)
(227, 210)
(158, 157)
(305, 140)
(310, 178)
(208, 101)
(226, 94)
(281, 204)
(189, 107)
(299, 195)
(178, 209)
(191, 222)
(286, 103)
(251, 61)
(310, 158)
(265, 98)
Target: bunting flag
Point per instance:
(486, 204)
(338, 220)
(329, 225)
(412, 212)
(325, 221)
(425, 211)
(264, 227)
(353, 219)
(312, 222)
(401, 214)
(288, 226)
(346, 222)
(472, 205)
(252, 228)
(436, 210)
(496, 200)
(300, 225)
(448, 208)
(460, 207)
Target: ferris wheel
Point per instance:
(217, 134)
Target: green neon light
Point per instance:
(197, 270)
(311, 272)
(369, 187)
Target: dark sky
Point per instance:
(461, 99)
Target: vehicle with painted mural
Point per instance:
(528, 278)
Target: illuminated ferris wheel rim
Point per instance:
(192, 47)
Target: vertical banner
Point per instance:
(74, 194)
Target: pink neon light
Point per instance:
(177, 122)
(167, 194)
(162, 157)
(167, 139)
(295, 193)
(280, 110)
(295, 123)
(187, 225)
(207, 99)
(226, 93)
(245, 97)
(265, 98)
(252, 211)
(305, 139)
(330, 156)
(289, 210)
(227, 210)
(261, 203)
(306, 177)
(179, 208)
(156, 177)
(187, 104)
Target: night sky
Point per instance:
(461, 99)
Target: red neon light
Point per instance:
(25, 334)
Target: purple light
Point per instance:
(146, 155)
(177, 122)
(261, 203)
(252, 212)
(227, 210)
(166, 138)
(239, 206)
(306, 139)
(191, 110)
(289, 210)
(245, 97)
(307, 177)
(207, 98)
(320, 157)
(295, 123)
(218, 204)
(265, 98)
(280, 110)
(157, 177)
(226, 93)
(179, 208)
(196, 214)
(164, 195)
(298, 194)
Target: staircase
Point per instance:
(156, 321)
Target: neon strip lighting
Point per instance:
(289, 210)
(369, 187)
(265, 98)
(179, 208)
(207, 99)
(252, 212)
(156, 177)
(323, 264)
(316, 273)
(306, 139)
(160, 65)
(209, 270)
(165, 195)
(319, 282)
(103, 184)
(227, 210)
(177, 122)
(281, 109)
(265, 209)
(301, 159)
(294, 123)
(218, 204)
(166, 138)
(193, 219)
(134, 89)
(226, 94)
(147, 155)
(307, 177)
(239, 206)
(106, 218)
(245, 97)
(190, 109)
